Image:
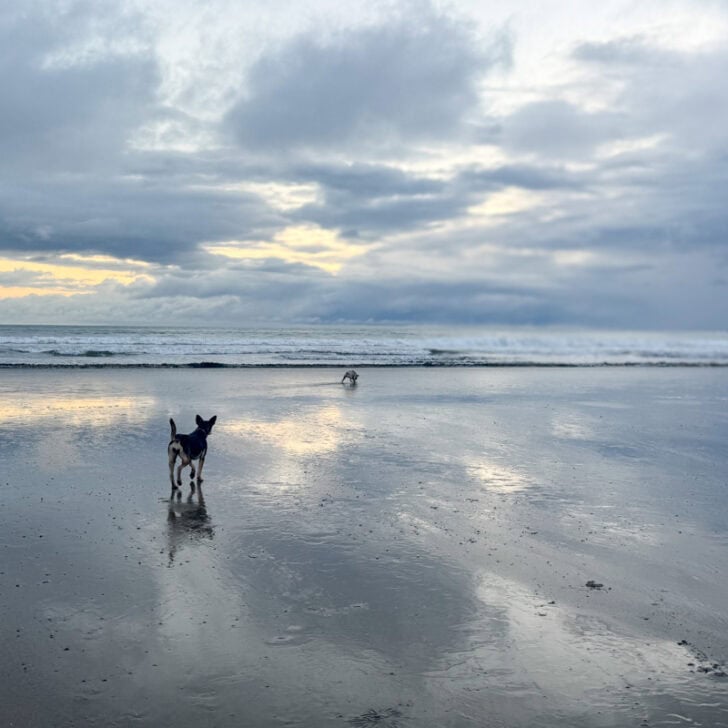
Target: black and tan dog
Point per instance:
(189, 448)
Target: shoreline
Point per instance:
(370, 365)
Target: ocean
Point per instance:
(351, 346)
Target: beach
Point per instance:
(435, 547)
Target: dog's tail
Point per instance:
(174, 429)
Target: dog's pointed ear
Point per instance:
(213, 420)
(199, 421)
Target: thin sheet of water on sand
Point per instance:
(412, 551)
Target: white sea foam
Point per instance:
(352, 346)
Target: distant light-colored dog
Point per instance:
(189, 448)
(351, 375)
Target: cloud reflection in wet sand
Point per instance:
(314, 432)
(305, 620)
(292, 447)
(496, 478)
(75, 410)
(60, 428)
(526, 648)
(572, 426)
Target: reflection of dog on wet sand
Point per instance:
(351, 375)
(189, 448)
(187, 522)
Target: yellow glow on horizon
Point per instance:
(23, 291)
(306, 244)
(68, 280)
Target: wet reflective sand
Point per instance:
(412, 551)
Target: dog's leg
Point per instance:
(199, 468)
(172, 455)
(181, 465)
(192, 479)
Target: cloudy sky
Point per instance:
(240, 161)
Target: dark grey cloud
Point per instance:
(74, 90)
(419, 301)
(593, 300)
(126, 219)
(276, 290)
(656, 203)
(268, 281)
(368, 201)
(665, 91)
(524, 176)
(662, 194)
(365, 180)
(670, 293)
(630, 51)
(77, 82)
(560, 130)
(411, 78)
(368, 218)
(66, 106)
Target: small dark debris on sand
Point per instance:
(594, 584)
(384, 718)
(708, 667)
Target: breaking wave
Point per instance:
(336, 346)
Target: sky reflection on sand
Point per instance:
(497, 478)
(313, 432)
(591, 652)
(426, 562)
(571, 425)
(78, 410)
(526, 645)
